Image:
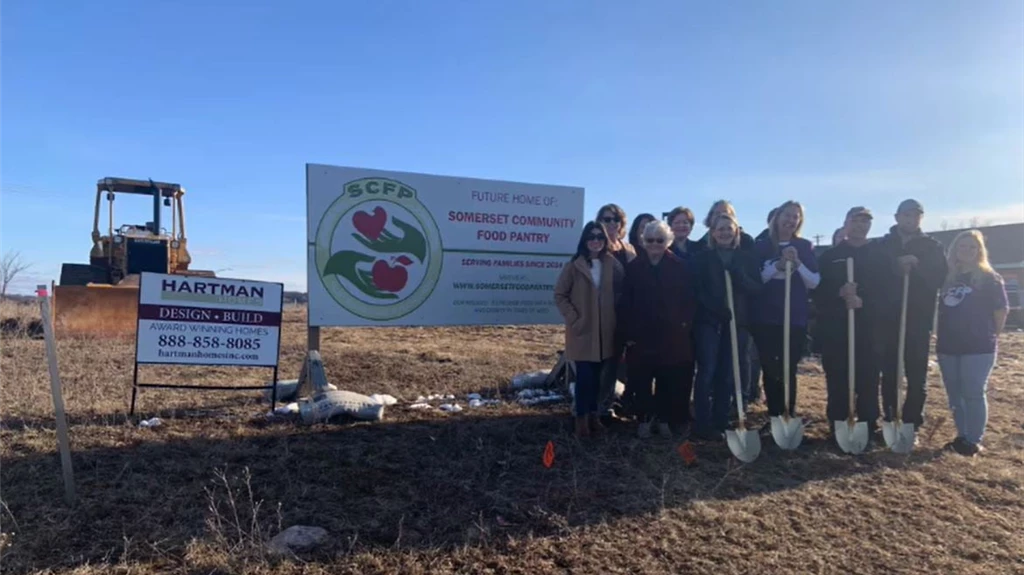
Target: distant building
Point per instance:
(1005, 245)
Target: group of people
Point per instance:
(656, 304)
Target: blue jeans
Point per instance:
(588, 382)
(966, 381)
(713, 388)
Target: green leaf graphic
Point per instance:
(344, 264)
(412, 242)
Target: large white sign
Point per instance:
(208, 321)
(397, 248)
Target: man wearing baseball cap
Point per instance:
(914, 253)
(833, 298)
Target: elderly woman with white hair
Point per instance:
(655, 317)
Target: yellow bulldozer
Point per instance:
(101, 297)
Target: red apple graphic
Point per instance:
(387, 278)
(370, 226)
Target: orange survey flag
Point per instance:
(688, 453)
(549, 454)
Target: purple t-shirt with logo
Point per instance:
(967, 323)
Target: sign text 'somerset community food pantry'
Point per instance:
(398, 248)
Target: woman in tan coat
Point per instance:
(586, 294)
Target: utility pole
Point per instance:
(817, 239)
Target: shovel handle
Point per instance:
(851, 346)
(785, 338)
(735, 350)
(901, 348)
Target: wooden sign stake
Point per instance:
(63, 444)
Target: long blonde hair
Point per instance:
(980, 270)
(773, 226)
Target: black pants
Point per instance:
(768, 339)
(915, 366)
(835, 361)
(670, 398)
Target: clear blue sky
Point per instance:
(650, 104)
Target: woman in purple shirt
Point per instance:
(972, 313)
(783, 244)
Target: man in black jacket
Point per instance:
(912, 252)
(865, 295)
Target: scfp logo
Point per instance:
(378, 250)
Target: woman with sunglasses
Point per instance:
(656, 316)
(713, 386)
(586, 294)
(613, 218)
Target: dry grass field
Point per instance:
(431, 492)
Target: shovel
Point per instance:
(744, 443)
(851, 435)
(899, 436)
(787, 431)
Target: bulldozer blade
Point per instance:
(851, 437)
(787, 432)
(899, 436)
(95, 310)
(745, 444)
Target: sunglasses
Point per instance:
(611, 219)
(596, 238)
(655, 240)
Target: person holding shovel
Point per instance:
(714, 383)
(586, 294)
(783, 245)
(972, 313)
(833, 297)
(917, 255)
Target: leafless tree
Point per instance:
(10, 266)
(977, 222)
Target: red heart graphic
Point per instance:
(370, 226)
(387, 278)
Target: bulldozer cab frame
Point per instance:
(132, 248)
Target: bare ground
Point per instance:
(428, 492)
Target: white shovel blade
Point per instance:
(890, 433)
(851, 438)
(904, 442)
(744, 444)
(788, 433)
